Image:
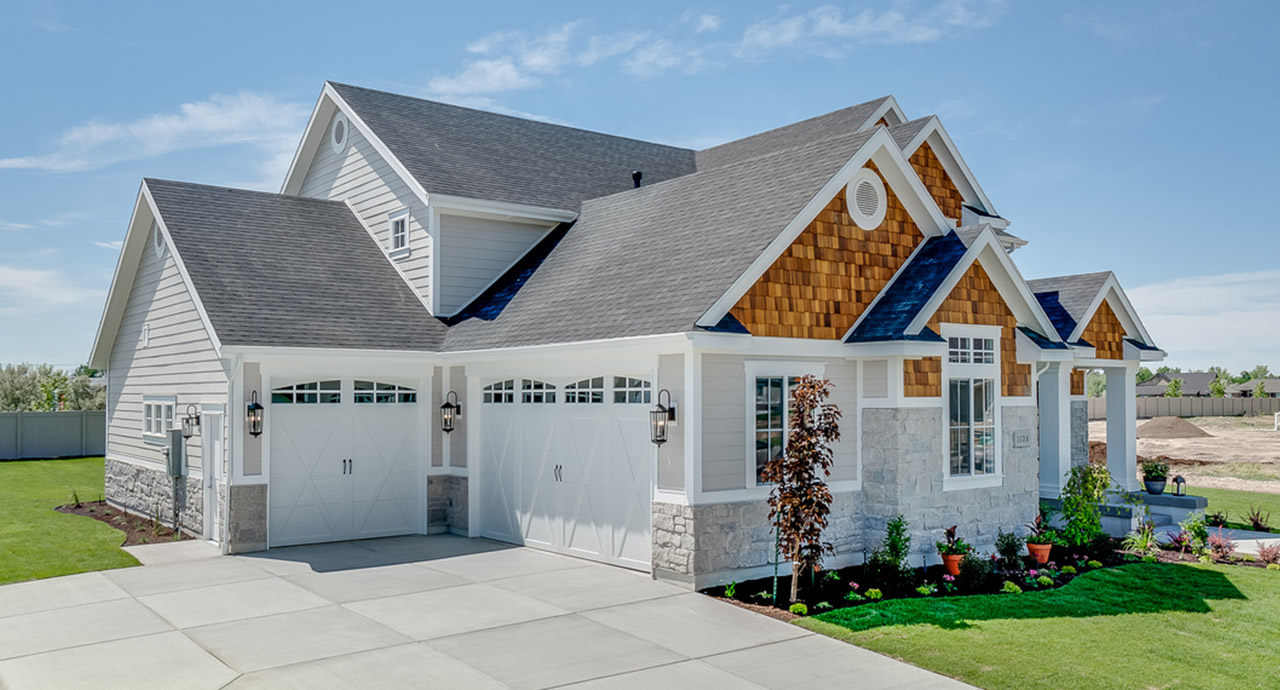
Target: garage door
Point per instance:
(565, 466)
(345, 461)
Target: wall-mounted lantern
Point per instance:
(449, 412)
(1179, 486)
(660, 418)
(253, 416)
(191, 422)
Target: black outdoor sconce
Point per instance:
(190, 423)
(253, 416)
(660, 418)
(1178, 484)
(449, 412)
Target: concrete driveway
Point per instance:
(421, 612)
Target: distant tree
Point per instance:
(1096, 383)
(1220, 372)
(1174, 389)
(32, 387)
(800, 499)
(1261, 371)
(1167, 370)
(1260, 389)
(84, 390)
(1144, 375)
(1218, 388)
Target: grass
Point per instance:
(38, 542)
(1135, 626)
(1237, 505)
(1256, 471)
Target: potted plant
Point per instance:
(953, 550)
(1040, 539)
(1154, 475)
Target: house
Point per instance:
(454, 320)
(1271, 388)
(1195, 384)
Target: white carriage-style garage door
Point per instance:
(565, 465)
(345, 461)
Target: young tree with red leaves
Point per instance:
(800, 499)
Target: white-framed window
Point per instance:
(971, 350)
(500, 392)
(971, 399)
(589, 391)
(398, 237)
(769, 387)
(537, 392)
(308, 393)
(377, 392)
(157, 416)
(629, 390)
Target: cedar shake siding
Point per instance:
(1105, 333)
(944, 192)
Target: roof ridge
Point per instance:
(772, 130)
(1071, 275)
(506, 115)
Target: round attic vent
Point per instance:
(866, 199)
(338, 133)
(157, 241)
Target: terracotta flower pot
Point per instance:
(1040, 552)
(952, 563)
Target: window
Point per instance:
(772, 400)
(157, 416)
(966, 350)
(500, 392)
(537, 392)
(972, 427)
(585, 391)
(628, 390)
(310, 393)
(370, 392)
(399, 237)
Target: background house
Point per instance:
(1194, 384)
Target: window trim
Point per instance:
(574, 390)
(399, 393)
(537, 392)
(162, 401)
(489, 395)
(645, 389)
(755, 369)
(969, 370)
(392, 219)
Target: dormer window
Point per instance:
(398, 239)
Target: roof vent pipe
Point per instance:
(635, 177)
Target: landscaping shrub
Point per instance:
(887, 566)
(1010, 588)
(874, 594)
(1068, 570)
(1222, 545)
(1009, 548)
(1217, 518)
(926, 589)
(1197, 533)
(799, 609)
(975, 573)
(1044, 581)
(1142, 541)
(1273, 566)
(1257, 520)
(1269, 553)
(1082, 496)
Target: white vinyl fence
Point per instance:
(1192, 407)
(52, 434)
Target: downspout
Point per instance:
(228, 452)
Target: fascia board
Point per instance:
(117, 295)
(310, 142)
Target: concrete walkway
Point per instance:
(421, 612)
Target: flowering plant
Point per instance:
(1039, 532)
(953, 546)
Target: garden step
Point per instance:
(1160, 520)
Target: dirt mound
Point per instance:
(1170, 427)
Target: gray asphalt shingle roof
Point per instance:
(274, 270)
(482, 155)
(840, 122)
(1073, 295)
(905, 132)
(652, 260)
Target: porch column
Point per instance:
(1122, 425)
(1055, 428)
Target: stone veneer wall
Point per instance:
(703, 545)
(903, 467)
(446, 504)
(149, 492)
(247, 528)
(1079, 433)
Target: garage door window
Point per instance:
(377, 392)
(537, 392)
(629, 390)
(585, 391)
(312, 392)
(500, 392)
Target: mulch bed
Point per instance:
(764, 610)
(137, 530)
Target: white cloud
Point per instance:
(242, 118)
(1230, 320)
(7, 225)
(29, 289)
(820, 27)
(707, 22)
(653, 59)
(110, 245)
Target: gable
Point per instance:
(1105, 333)
(830, 274)
(975, 300)
(943, 190)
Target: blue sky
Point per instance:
(1125, 136)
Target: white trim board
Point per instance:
(1127, 314)
(949, 155)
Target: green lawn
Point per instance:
(1135, 626)
(35, 540)
(1237, 505)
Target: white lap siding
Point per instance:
(178, 361)
(363, 178)
(475, 251)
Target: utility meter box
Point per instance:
(177, 455)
